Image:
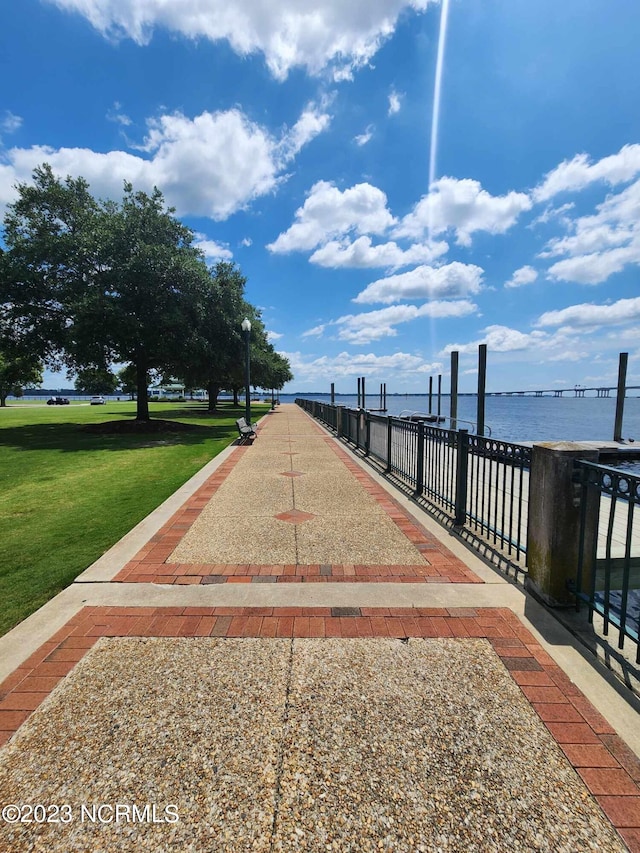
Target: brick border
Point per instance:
(150, 564)
(610, 770)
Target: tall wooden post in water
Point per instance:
(622, 390)
(453, 407)
(430, 392)
(482, 382)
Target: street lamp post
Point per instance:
(246, 328)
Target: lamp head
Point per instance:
(246, 325)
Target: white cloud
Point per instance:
(576, 174)
(445, 282)
(246, 242)
(588, 314)
(10, 122)
(365, 137)
(116, 115)
(595, 268)
(395, 368)
(311, 123)
(316, 332)
(274, 336)
(567, 355)
(525, 275)
(374, 325)
(601, 244)
(329, 212)
(465, 207)
(212, 251)
(362, 254)
(330, 217)
(212, 165)
(502, 339)
(326, 33)
(550, 213)
(394, 103)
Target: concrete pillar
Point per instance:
(553, 539)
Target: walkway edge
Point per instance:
(112, 561)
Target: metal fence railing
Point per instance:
(498, 493)
(480, 484)
(608, 576)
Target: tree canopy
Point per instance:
(95, 380)
(88, 283)
(16, 373)
(217, 357)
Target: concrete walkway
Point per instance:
(288, 655)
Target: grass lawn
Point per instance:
(67, 495)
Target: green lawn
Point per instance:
(67, 495)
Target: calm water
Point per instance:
(521, 418)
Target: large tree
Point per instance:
(92, 282)
(95, 380)
(17, 372)
(127, 379)
(216, 345)
(216, 358)
(50, 259)
(20, 367)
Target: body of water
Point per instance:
(519, 418)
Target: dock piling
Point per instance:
(622, 390)
(482, 383)
(453, 406)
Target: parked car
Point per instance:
(97, 401)
(57, 401)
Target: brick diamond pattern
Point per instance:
(295, 516)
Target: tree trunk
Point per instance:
(236, 402)
(3, 401)
(213, 391)
(142, 404)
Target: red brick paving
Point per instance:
(606, 764)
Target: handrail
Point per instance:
(407, 414)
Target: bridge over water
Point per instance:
(577, 391)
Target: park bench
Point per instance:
(247, 432)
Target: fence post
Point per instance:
(420, 460)
(367, 433)
(554, 528)
(462, 467)
(389, 435)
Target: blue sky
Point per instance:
(296, 140)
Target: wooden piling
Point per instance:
(482, 383)
(453, 408)
(622, 390)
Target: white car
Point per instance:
(97, 401)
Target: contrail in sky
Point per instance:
(435, 122)
(435, 116)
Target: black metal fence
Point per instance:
(480, 484)
(608, 577)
